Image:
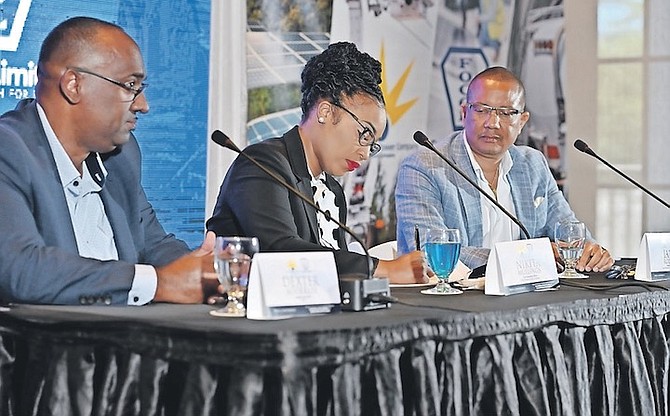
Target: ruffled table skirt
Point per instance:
(570, 352)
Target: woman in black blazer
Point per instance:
(343, 117)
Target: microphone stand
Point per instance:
(359, 293)
(584, 148)
(424, 141)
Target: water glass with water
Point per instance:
(442, 248)
(570, 237)
(232, 261)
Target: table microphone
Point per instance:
(356, 291)
(424, 141)
(583, 147)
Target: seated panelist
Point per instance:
(343, 117)
(430, 194)
(75, 224)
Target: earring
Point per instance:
(321, 120)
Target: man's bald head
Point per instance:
(499, 74)
(90, 77)
(70, 40)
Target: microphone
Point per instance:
(583, 147)
(357, 293)
(424, 141)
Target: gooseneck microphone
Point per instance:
(221, 139)
(424, 141)
(356, 295)
(583, 147)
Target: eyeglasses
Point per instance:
(505, 113)
(128, 86)
(365, 136)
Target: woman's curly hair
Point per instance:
(340, 71)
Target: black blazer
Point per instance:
(250, 203)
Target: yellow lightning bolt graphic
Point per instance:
(395, 109)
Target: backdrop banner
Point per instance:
(430, 51)
(175, 45)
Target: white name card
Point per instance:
(286, 285)
(653, 260)
(520, 266)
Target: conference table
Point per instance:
(601, 350)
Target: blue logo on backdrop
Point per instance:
(16, 80)
(13, 17)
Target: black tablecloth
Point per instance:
(566, 352)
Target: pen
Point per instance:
(417, 242)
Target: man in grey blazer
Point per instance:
(431, 194)
(75, 224)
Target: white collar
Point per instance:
(66, 169)
(505, 164)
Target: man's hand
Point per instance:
(594, 258)
(560, 264)
(190, 278)
(207, 246)
(180, 281)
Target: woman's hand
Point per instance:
(408, 268)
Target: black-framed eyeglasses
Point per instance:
(128, 86)
(365, 137)
(502, 112)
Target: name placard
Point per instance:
(520, 266)
(653, 260)
(286, 285)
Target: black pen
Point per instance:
(417, 241)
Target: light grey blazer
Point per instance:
(431, 194)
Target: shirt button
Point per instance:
(86, 300)
(75, 183)
(136, 299)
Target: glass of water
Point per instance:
(232, 262)
(442, 248)
(570, 237)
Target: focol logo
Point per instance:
(459, 66)
(11, 30)
(543, 46)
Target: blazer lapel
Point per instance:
(118, 220)
(36, 138)
(298, 161)
(122, 234)
(467, 194)
(522, 192)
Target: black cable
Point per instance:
(400, 302)
(609, 286)
(382, 298)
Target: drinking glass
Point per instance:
(442, 248)
(232, 262)
(570, 237)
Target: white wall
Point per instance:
(228, 89)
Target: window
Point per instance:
(633, 92)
